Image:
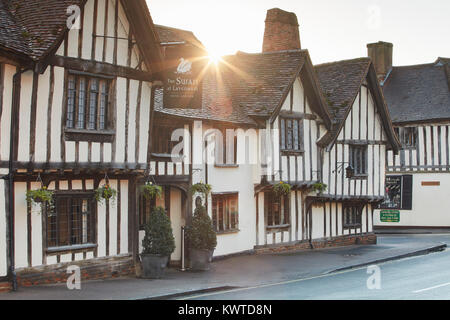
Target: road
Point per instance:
(418, 278)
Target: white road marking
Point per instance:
(432, 288)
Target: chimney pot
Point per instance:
(282, 31)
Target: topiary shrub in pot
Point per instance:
(202, 240)
(158, 244)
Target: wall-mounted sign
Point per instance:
(431, 183)
(182, 84)
(390, 216)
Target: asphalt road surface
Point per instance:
(424, 277)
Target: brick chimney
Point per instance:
(381, 55)
(282, 32)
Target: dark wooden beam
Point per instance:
(94, 67)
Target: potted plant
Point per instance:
(319, 187)
(282, 188)
(202, 188)
(105, 193)
(202, 240)
(158, 244)
(152, 191)
(41, 195)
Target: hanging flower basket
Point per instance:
(201, 188)
(41, 195)
(319, 187)
(105, 193)
(152, 191)
(282, 188)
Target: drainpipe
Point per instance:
(10, 176)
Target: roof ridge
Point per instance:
(342, 61)
(173, 28)
(416, 65)
(271, 52)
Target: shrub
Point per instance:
(158, 238)
(200, 233)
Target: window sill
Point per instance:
(225, 232)
(226, 166)
(360, 177)
(281, 226)
(291, 153)
(89, 135)
(347, 227)
(70, 249)
(167, 157)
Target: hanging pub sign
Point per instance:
(182, 83)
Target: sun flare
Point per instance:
(214, 58)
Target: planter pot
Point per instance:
(153, 266)
(200, 259)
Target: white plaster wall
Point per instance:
(236, 180)
(429, 203)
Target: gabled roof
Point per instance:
(341, 82)
(419, 93)
(35, 28)
(245, 86)
(169, 35)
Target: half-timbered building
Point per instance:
(114, 99)
(273, 117)
(76, 84)
(418, 176)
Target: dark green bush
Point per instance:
(200, 233)
(158, 238)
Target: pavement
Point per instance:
(243, 271)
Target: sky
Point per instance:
(331, 30)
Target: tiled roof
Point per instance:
(261, 80)
(31, 27)
(174, 35)
(419, 93)
(340, 82)
(11, 32)
(244, 85)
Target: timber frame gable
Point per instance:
(314, 93)
(368, 79)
